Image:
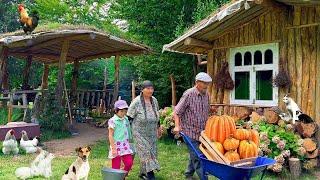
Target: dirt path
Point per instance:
(88, 135)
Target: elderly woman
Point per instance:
(143, 111)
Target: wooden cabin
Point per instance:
(259, 38)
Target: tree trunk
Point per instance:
(45, 75)
(116, 79)
(295, 167)
(26, 72)
(4, 70)
(62, 63)
(173, 90)
(133, 90)
(75, 75)
(306, 130)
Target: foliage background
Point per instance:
(152, 22)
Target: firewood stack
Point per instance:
(308, 131)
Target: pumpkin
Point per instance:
(254, 136)
(231, 144)
(232, 156)
(219, 147)
(248, 149)
(242, 134)
(218, 128)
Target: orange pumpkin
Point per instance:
(242, 134)
(218, 128)
(219, 147)
(254, 136)
(231, 144)
(232, 156)
(248, 149)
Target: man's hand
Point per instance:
(160, 132)
(176, 130)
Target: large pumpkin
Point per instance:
(218, 128)
(242, 134)
(219, 147)
(248, 149)
(231, 144)
(232, 156)
(254, 136)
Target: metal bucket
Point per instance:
(113, 174)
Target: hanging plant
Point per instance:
(223, 79)
(282, 79)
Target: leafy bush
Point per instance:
(280, 142)
(52, 116)
(17, 115)
(166, 117)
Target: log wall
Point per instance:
(297, 30)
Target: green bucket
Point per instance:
(113, 174)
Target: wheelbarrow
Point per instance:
(229, 172)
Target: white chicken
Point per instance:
(30, 146)
(10, 144)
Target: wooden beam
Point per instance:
(198, 43)
(58, 40)
(26, 72)
(133, 90)
(173, 90)
(45, 75)
(317, 103)
(303, 26)
(52, 57)
(116, 79)
(299, 59)
(107, 55)
(75, 75)
(3, 62)
(62, 63)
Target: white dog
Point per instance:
(44, 166)
(292, 108)
(33, 170)
(80, 168)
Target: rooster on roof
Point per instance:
(28, 22)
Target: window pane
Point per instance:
(242, 85)
(268, 57)
(258, 57)
(247, 58)
(238, 59)
(264, 85)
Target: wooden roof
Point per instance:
(198, 39)
(86, 43)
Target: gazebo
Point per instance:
(57, 44)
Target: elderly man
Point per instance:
(190, 116)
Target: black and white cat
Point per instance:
(295, 112)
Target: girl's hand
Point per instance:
(114, 151)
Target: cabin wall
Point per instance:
(299, 54)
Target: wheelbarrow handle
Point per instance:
(189, 144)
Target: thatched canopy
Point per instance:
(198, 39)
(86, 43)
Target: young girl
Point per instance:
(119, 135)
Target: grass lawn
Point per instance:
(173, 160)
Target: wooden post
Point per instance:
(98, 101)
(26, 72)
(210, 71)
(133, 90)
(105, 73)
(173, 90)
(81, 99)
(45, 75)
(295, 168)
(116, 79)
(25, 105)
(317, 103)
(4, 68)
(297, 21)
(93, 97)
(75, 75)
(62, 63)
(10, 108)
(87, 99)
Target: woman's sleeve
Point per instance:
(132, 110)
(111, 123)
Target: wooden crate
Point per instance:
(213, 154)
